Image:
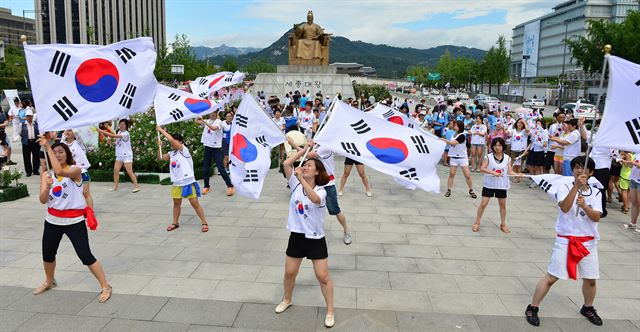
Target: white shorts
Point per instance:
(588, 268)
(126, 159)
(459, 161)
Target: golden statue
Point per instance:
(308, 44)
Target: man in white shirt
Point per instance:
(306, 120)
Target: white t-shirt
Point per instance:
(212, 138)
(572, 150)
(497, 182)
(79, 156)
(306, 217)
(65, 194)
(181, 167)
(123, 146)
(635, 171)
(518, 140)
(306, 120)
(601, 156)
(326, 156)
(475, 138)
(555, 130)
(279, 122)
(459, 150)
(539, 138)
(580, 225)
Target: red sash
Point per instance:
(576, 251)
(87, 213)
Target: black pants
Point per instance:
(603, 175)
(77, 234)
(30, 156)
(216, 155)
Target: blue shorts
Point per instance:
(634, 185)
(85, 177)
(332, 200)
(566, 168)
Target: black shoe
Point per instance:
(11, 163)
(532, 315)
(36, 173)
(591, 315)
(28, 174)
(603, 214)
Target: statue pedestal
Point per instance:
(302, 78)
(308, 69)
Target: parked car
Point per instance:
(490, 100)
(451, 96)
(480, 98)
(462, 95)
(588, 111)
(531, 103)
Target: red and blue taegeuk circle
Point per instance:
(243, 149)
(388, 150)
(216, 80)
(174, 164)
(197, 105)
(300, 208)
(396, 119)
(57, 191)
(97, 79)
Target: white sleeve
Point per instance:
(293, 182)
(573, 137)
(323, 196)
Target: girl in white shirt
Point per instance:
(80, 157)
(124, 154)
(306, 223)
(182, 177)
(519, 135)
(478, 132)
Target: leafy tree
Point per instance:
(445, 66)
(624, 39)
(496, 63)
(229, 64)
(420, 72)
(13, 69)
(257, 66)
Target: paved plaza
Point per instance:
(414, 265)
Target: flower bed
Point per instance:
(9, 194)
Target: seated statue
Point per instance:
(309, 42)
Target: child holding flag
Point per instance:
(575, 249)
(80, 157)
(124, 154)
(182, 177)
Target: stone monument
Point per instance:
(308, 66)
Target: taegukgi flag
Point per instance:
(620, 126)
(77, 85)
(173, 105)
(391, 115)
(253, 134)
(203, 86)
(402, 152)
(551, 183)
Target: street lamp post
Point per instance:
(526, 58)
(564, 56)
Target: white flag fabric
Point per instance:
(391, 114)
(620, 126)
(253, 134)
(78, 85)
(203, 86)
(550, 183)
(402, 152)
(11, 95)
(173, 105)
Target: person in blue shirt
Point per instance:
(493, 120)
(468, 121)
(459, 115)
(448, 134)
(303, 99)
(442, 119)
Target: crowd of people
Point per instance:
(501, 144)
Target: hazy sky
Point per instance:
(419, 24)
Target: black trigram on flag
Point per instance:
(127, 97)
(262, 141)
(544, 185)
(420, 144)
(125, 54)
(65, 108)
(388, 114)
(174, 97)
(203, 81)
(409, 125)
(410, 174)
(634, 129)
(59, 63)
(228, 78)
(638, 83)
(176, 114)
(242, 120)
(360, 127)
(251, 176)
(203, 94)
(350, 148)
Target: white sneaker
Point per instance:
(340, 193)
(369, 194)
(329, 321)
(629, 226)
(282, 307)
(346, 238)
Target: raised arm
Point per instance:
(175, 144)
(287, 166)
(68, 172)
(109, 134)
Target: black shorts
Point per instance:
(615, 170)
(497, 193)
(349, 161)
(301, 247)
(536, 158)
(548, 159)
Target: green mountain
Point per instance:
(384, 58)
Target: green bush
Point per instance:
(378, 91)
(100, 175)
(165, 181)
(13, 193)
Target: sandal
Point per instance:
(472, 194)
(45, 287)
(105, 294)
(505, 229)
(625, 210)
(172, 227)
(475, 227)
(448, 193)
(205, 228)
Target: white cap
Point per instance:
(28, 112)
(423, 113)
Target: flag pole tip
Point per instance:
(23, 38)
(607, 49)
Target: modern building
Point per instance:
(99, 21)
(14, 26)
(541, 40)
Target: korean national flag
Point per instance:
(391, 115)
(402, 152)
(203, 86)
(551, 183)
(173, 105)
(78, 85)
(253, 134)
